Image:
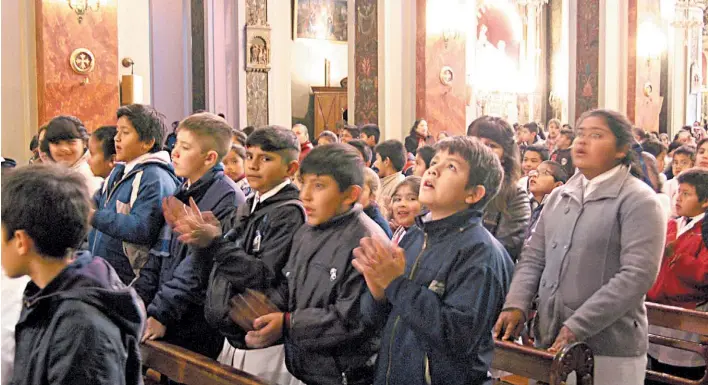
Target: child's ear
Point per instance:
(352, 194)
(212, 157)
(23, 242)
(293, 166)
(475, 194)
(557, 184)
(148, 145)
(112, 161)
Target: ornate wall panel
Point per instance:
(198, 56)
(587, 56)
(366, 60)
(93, 96)
(256, 79)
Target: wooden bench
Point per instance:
(677, 318)
(186, 367)
(543, 366)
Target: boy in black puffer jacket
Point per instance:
(170, 285)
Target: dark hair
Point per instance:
(63, 127)
(427, 153)
(686, 129)
(392, 149)
(106, 136)
(149, 123)
(354, 131)
(532, 127)
(499, 130)
(337, 160)
(363, 148)
(48, 202)
(239, 150)
(698, 178)
(568, 126)
(413, 133)
(34, 143)
(621, 128)
(539, 149)
(248, 130)
(221, 115)
(329, 135)
(687, 150)
(700, 143)
(212, 131)
(653, 147)
(276, 139)
(568, 133)
(640, 133)
(372, 130)
(559, 174)
(485, 167)
(241, 137)
(674, 145)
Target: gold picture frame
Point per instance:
(320, 20)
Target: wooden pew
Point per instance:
(186, 367)
(677, 318)
(543, 366)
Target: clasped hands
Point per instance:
(196, 228)
(380, 262)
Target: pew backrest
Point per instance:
(686, 320)
(543, 366)
(186, 367)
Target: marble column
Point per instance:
(93, 97)
(257, 82)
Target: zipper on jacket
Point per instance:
(426, 363)
(398, 318)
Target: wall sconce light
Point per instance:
(81, 7)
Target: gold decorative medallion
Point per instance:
(82, 61)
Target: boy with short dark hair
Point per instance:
(127, 221)
(325, 340)
(562, 155)
(363, 149)
(547, 177)
(531, 158)
(440, 296)
(170, 286)
(527, 134)
(256, 240)
(684, 158)
(370, 133)
(350, 133)
(102, 147)
(79, 323)
(390, 159)
(683, 274)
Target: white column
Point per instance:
(570, 22)
(279, 81)
(613, 59)
(351, 68)
(678, 79)
(391, 64)
(133, 30)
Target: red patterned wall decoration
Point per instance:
(60, 90)
(632, 61)
(366, 60)
(587, 56)
(442, 105)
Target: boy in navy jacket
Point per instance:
(79, 323)
(439, 298)
(325, 340)
(170, 286)
(128, 221)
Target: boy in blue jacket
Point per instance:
(439, 297)
(128, 221)
(171, 287)
(79, 324)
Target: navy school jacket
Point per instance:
(83, 328)
(170, 285)
(144, 223)
(375, 214)
(439, 315)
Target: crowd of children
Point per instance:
(362, 273)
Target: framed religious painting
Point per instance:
(320, 19)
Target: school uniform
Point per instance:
(325, 340)
(682, 282)
(373, 212)
(10, 308)
(565, 159)
(439, 315)
(509, 227)
(82, 328)
(171, 287)
(128, 223)
(592, 257)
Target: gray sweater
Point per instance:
(591, 261)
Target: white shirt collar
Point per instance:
(589, 185)
(261, 198)
(685, 224)
(131, 165)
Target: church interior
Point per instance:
(341, 67)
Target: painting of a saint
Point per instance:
(321, 19)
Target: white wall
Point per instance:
(171, 54)
(18, 99)
(134, 41)
(279, 77)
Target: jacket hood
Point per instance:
(93, 281)
(160, 158)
